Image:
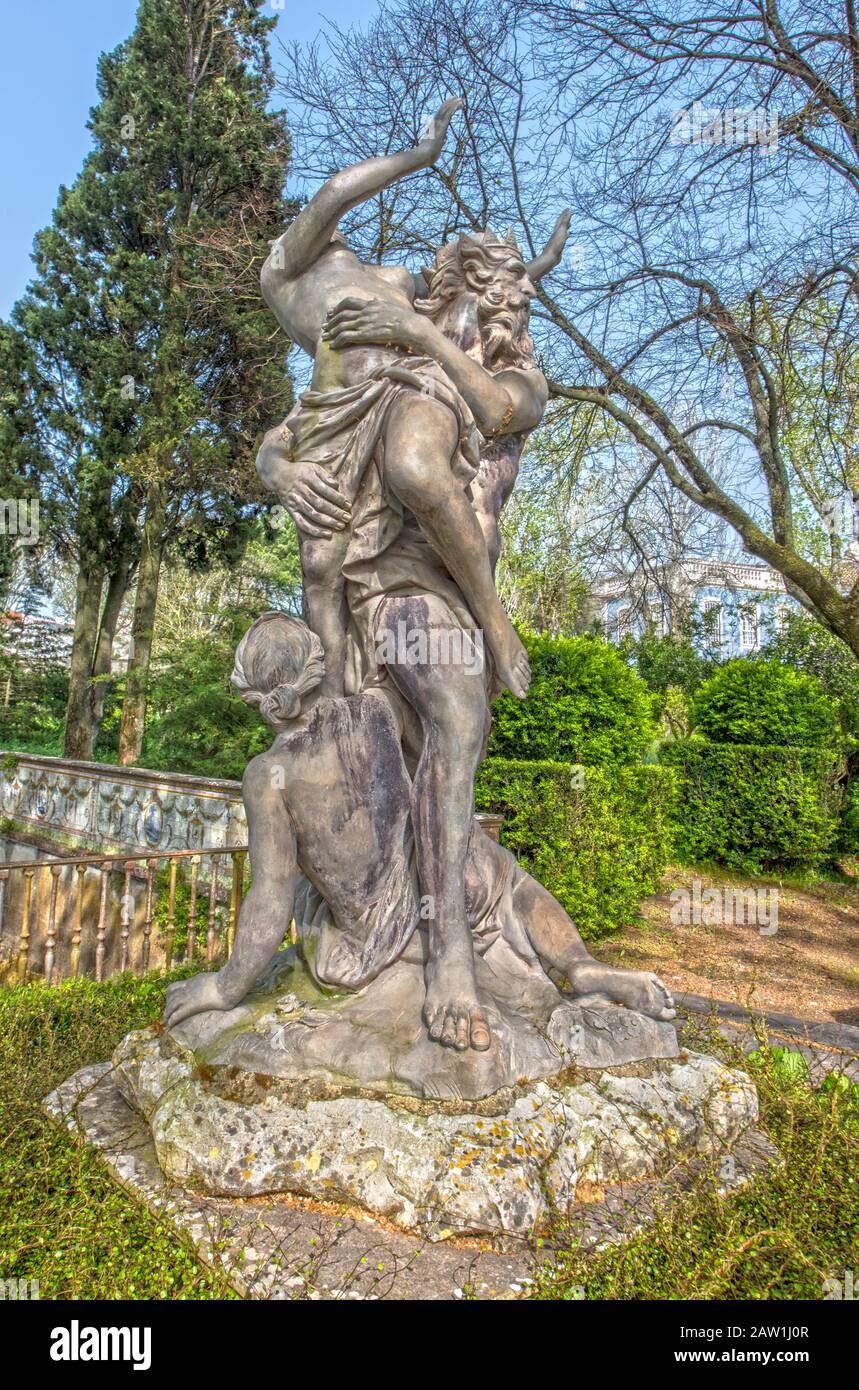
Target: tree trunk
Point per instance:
(117, 588)
(79, 736)
(134, 704)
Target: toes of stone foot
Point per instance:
(461, 1039)
(480, 1034)
(448, 1032)
(435, 1023)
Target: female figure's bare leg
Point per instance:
(558, 944)
(325, 608)
(420, 439)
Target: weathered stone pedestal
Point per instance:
(321, 1096)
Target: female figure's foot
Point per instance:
(433, 134)
(637, 989)
(511, 659)
(452, 1011)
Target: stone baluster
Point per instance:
(74, 963)
(236, 889)
(211, 932)
(51, 940)
(171, 916)
(192, 910)
(24, 940)
(125, 915)
(101, 930)
(151, 866)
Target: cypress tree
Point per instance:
(156, 366)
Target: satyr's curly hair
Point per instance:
(491, 270)
(277, 662)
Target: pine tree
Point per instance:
(156, 364)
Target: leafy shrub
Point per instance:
(667, 662)
(802, 643)
(596, 838)
(765, 703)
(585, 705)
(754, 808)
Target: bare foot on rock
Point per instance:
(637, 989)
(452, 1011)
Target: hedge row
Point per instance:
(754, 807)
(597, 838)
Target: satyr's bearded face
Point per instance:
(479, 295)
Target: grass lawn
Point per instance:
(66, 1224)
(63, 1221)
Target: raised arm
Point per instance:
(311, 231)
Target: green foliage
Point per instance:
(585, 706)
(781, 1237)
(806, 646)
(596, 838)
(151, 366)
(754, 808)
(196, 721)
(667, 662)
(765, 703)
(63, 1220)
(34, 683)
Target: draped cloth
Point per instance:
(386, 552)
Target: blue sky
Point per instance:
(47, 86)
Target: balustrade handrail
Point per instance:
(96, 859)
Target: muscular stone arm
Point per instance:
(311, 232)
(507, 401)
(267, 909)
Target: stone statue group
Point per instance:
(395, 466)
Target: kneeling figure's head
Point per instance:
(278, 662)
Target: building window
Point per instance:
(711, 624)
(749, 629)
(623, 622)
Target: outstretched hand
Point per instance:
(435, 130)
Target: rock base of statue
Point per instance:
(342, 1098)
(290, 1029)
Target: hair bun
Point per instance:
(284, 702)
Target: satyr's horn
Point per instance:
(552, 251)
(510, 238)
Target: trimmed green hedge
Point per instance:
(585, 705)
(597, 838)
(762, 702)
(753, 807)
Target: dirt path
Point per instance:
(809, 966)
